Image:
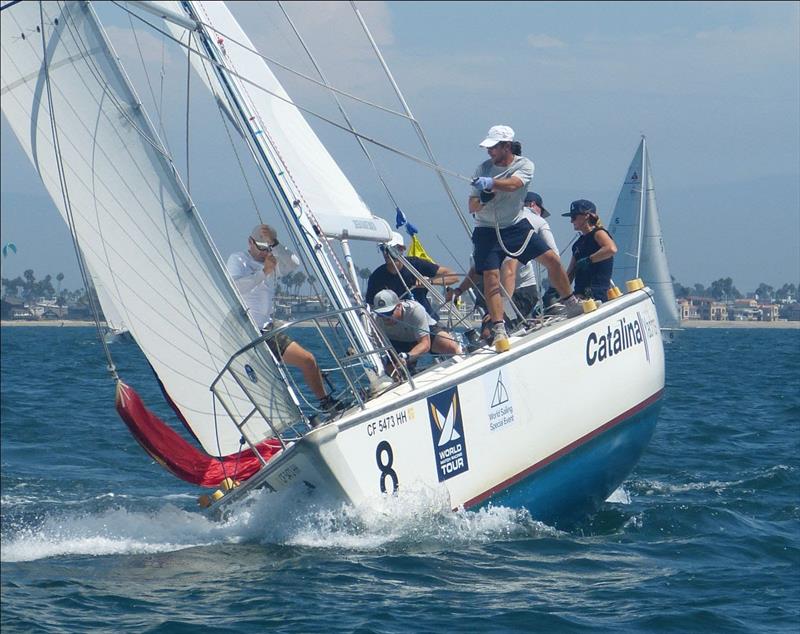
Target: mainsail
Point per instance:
(636, 229)
(74, 112)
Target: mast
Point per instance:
(307, 232)
(642, 194)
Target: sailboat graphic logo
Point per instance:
(447, 434)
(501, 409)
(634, 176)
(500, 393)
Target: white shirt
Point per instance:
(258, 288)
(525, 274)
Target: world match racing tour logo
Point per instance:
(447, 430)
(615, 340)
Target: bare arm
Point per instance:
(445, 276)
(607, 247)
(510, 184)
(422, 346)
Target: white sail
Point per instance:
(309, 172)
(135, 224)
(636, 229)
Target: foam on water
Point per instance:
(412, 517)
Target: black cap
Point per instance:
(533, 197)
(581, 207)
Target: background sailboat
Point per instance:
(636, 228)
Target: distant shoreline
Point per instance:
(705, 323)
(693, 323)
(49, 323)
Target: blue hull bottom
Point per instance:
(577, 483)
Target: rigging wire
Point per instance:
(339, 105)
(68, 204)
(188, 101)
(417, 128)
(385, 146)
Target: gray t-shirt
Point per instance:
(414, 323)
(505, 207)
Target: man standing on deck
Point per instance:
(499, 186)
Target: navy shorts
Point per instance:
(489, 254)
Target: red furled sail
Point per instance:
(177, 455)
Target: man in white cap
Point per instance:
(496, 201)
(394, 275)
(256, 274)
(410, 330)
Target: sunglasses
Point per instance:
(385, 250)
(267, 248)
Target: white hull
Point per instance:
(505, 419)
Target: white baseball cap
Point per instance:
(497, 134)
(396, 241)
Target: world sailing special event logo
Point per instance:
(447, 429)
(501, 407)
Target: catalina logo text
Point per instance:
(605, 345)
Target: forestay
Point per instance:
(135, 224)
(636, 229)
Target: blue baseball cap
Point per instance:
(580, 207)
(533, 197)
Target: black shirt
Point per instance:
(382, 279)
(597, 278)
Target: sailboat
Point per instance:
(480, 428)
(636, 228)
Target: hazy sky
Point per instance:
(715, 86)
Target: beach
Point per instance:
(705, 323)
(693, 323)
(50, 323)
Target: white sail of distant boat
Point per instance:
(75, 113)
(636, 228)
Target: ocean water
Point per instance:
(703, 536)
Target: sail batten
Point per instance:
(143, 241)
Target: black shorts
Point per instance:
(489, 254)
(279, 342)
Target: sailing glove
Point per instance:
(486, 183)
(486, 196)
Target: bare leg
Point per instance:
(301, 358)
(508, 275)
(491, 288)
(443, 343)
(558, 277)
